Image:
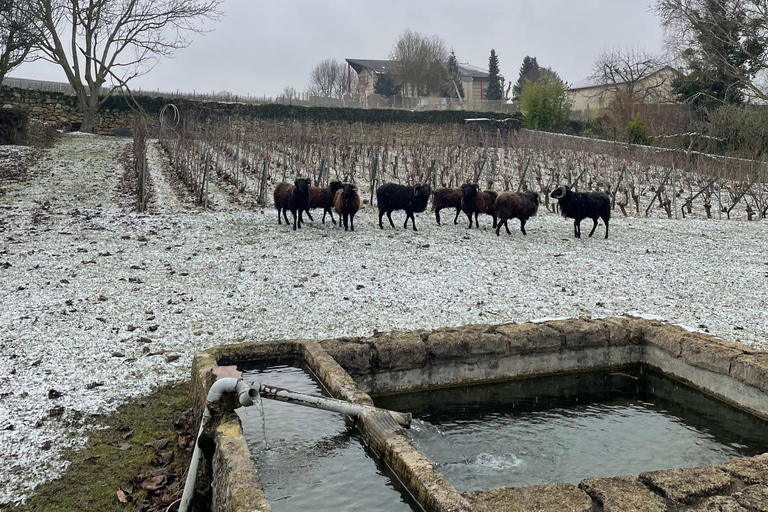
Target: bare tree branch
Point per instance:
(114, 40)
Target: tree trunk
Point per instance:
(88, 107)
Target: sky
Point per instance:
(259, 48)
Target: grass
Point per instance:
(102, 468)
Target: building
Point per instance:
(474, 80)
(655, 88)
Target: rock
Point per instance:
(686, 484)
(559, 497)
(623, 494)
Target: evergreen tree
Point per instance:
(386, 86)
(545, 103)
(530, 71)
(493, 92)
(453, 78)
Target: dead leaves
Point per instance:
(157, 445)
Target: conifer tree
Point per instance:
(493, 92)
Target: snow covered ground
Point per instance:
(101, 304)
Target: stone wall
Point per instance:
(61, 110)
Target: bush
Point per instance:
(635, 131)
(13, 125)
(545, 104)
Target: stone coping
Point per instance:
(400, 361)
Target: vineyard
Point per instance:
(249, 158)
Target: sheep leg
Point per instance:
(351, 221)
(285, 215)
(477, 224)
(469, 216)
(498, 227)
(522, 226)
(437, 216)
(381, 214)
(494, 220)
(345, 222)
(606, 227)
(330, 212)
(594, 225)
(279, 220)
(308, 215)
(389, 216)
(456, 219)
(577, 228)
(295, 217)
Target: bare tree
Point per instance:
(730, 37)
(16, 34)
(326, 78)
(289, 93)
(347, 84)
(96, 41)
(627, 70)
(419, 63)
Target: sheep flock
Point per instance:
(344, 198)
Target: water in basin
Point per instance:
(567, 428)
(312, 460)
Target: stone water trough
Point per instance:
(353, 369)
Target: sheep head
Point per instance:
(422, 191)
(560, 192)
(302, 185)
(469, 190)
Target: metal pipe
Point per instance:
(320, 402)
(221, 386)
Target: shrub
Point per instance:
(13, 125)
(635, 131)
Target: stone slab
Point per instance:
(718, 504)
(753, 498)
(559, 497)
(623, 494)
(751, 470)
(752, 369)
(684, 485)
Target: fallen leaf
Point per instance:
(153, 483)
(171, 358)
(158, 444)
(121, 496)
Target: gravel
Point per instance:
(98, 301)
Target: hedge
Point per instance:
(13, 125)
(153, 105)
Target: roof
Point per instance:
(377, 66)
(382, 67)
(590, 82)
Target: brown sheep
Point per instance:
(322, 197)
(347, 204)
(283, 194)
(447, 198)
(515, 205)
(473, 201)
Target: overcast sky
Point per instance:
(259, 48)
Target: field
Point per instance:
(102, 304)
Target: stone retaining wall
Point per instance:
(61, 110)
(400, 361)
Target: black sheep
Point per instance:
(294, 198)
(515, 205)
(391, 197)
(473, 201)
(582, 205)
(447, 198)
